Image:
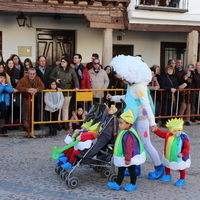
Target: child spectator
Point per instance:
(77, 115)
(128, 152)
(5, 90)
(176, 150)
(54, 101)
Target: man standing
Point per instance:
(99, 80)
(29, 85)
(43, 71)
(82, 72)
(90, 64)
(179, 71)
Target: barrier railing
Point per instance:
(166, 104)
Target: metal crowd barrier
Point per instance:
(161, 98)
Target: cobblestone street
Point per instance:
(27, 173)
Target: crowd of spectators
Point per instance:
(30, 80)
(174, 77)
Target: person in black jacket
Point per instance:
(187, 97)
(169, 82)
(43, 71)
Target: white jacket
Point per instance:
(139, 92)
(48, 99)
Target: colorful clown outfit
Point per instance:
(138, 99)
(175, 144)
(124, 140)
(128, 147)
(77, 142)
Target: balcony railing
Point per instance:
(162, 5)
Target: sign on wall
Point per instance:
(24, 51)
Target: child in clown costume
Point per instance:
(176, 150)
(128, 152)
(84, 138)
(137, 74)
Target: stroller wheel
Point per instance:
(97, 169)
(58, 169)
(64, 175)
(105, 172)
(112, 178)
(73, 182)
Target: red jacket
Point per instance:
(85, 83)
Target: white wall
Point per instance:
(148, 43)
(88, 40)
(192, 17)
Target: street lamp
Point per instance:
(21, 19)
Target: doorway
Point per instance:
(119, 49)
(171, 50)
(53, 43)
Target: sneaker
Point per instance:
(130, 187)
(114, 186)
(180, 182)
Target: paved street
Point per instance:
(27, 173)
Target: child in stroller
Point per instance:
(82, 139)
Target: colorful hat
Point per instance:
(87, 125)
(94, 128)
(128, 116)
(175, 124)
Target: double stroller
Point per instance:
(100, 152)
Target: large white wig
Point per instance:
(131, 69)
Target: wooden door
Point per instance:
(53, 43)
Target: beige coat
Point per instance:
(98, 81)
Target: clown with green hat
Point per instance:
(128, 152)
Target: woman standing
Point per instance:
(187, 97)
(170, 83)
(12, 72)
(27, 65)
(3, 70)
(14, 79)
(18, 64)
(66, 78)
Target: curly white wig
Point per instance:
(131, 69)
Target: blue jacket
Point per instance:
(5, 91)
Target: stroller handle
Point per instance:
(121, 109)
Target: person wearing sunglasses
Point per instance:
(98, 80)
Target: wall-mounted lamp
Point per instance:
(21, 19)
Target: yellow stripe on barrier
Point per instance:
(84, 96)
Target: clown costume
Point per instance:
(134, 71)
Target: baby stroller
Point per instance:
(100, 153)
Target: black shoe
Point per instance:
(65, 126)
(60, 125)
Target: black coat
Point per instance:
(44, 77)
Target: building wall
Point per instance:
(191, 18)
(88, 40)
